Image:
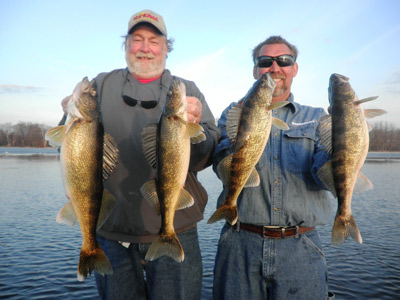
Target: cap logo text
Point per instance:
(146, 15)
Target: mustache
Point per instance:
(278, 76)
(144, 55)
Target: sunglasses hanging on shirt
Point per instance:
(282, 61)
(146, 104)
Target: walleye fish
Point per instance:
(166, 146)
(344, 134)
(87, 157)
(248, 127)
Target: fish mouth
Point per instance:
(339, 79)
(267, 79)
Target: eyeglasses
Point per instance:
(282, 61)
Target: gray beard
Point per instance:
(149, 71)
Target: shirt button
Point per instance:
(276, 209)
(275, 112)
(275, 134)
(304, 134)
(276, 157)
(276, 181)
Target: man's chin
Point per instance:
(278, 92)
(145, 71)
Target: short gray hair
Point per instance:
(274, 39)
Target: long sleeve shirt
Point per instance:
(289, 193)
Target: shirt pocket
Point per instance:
(299, 146)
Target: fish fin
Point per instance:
(224, 169)
(55, 135)
(149, 192)
(71, 124)
(94, 260)
(325, 133)
(344, 227)
(166, 245)
(325, 174)
(372, 113)
(107, 205)
(185, 200)
(362, 184)
(253, 180)
(67, 215)
(110, 156)
(360, 101)
(73, 110)
(232, 122)
(279, 124)
(278, 104)
(369, 126)
(196, 133)
(227, 212)
(149, 144)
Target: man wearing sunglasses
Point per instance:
(274, 251)
(130, 99)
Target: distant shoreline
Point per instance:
(42, 152)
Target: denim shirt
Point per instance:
(289, 193)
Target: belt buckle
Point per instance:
(282, 229)
(297, 232)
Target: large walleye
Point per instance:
(87, 157)
(166, 146)
(345, 136)
(248, 126)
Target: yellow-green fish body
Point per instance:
(345, 135)
(248, 127)
(81, 155)
(171, 139)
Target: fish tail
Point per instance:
(94, 260)
(344, 227)
(168, 245)
(227, 212)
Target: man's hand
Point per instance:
(194, 109)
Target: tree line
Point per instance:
(383, 136)
(23, 134)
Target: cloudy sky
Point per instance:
(48, 46)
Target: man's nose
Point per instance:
(145, 46)
(274, 67)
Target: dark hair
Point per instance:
(275, 39)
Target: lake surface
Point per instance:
(39, 257)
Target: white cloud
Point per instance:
(13, 89)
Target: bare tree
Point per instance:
(384, 137)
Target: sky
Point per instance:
(46, 47)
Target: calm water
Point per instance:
(38, 257)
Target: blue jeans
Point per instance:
(249, 266)
(163, 278)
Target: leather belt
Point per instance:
(274, 232)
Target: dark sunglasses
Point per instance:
(148, 104)
(145, 104)
(282, 61)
